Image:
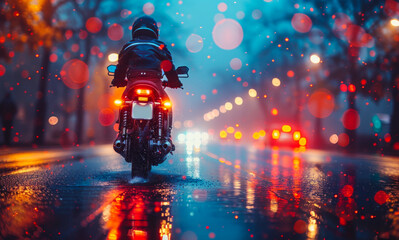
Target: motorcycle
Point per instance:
(143, 125)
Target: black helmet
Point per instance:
(145, 26)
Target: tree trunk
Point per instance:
(41, 104)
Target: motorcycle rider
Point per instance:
(143, 59)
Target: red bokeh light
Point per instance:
(94, 25)
(381, 197)
(343, 88)
(391, 8)
(351, 119)
(301, 22)
(274, 112)
(343, 140)
(83, 34)
(347, 191)
(290, 73)
(115, 32)
(321, 103)
(352, 88)
(53, 57)
(75, 74)
(300, 226)
(68, 34)
(2, 70)
(106, 117)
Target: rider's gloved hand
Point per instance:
(119, 83)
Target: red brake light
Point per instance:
(143, 92)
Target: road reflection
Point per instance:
(139, 212)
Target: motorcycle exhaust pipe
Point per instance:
(119, 146)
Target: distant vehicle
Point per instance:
(286, 136)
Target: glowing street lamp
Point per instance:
(315, 59)
(395, 22)
(113, 57)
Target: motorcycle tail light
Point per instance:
(118, 102)
(143, 92)
(167, 104)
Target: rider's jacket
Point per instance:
(147, 55)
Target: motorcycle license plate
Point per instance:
(142, 110)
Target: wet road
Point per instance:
(219, 192)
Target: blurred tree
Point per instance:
(33, 24)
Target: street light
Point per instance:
(113, 57)
(395, 22)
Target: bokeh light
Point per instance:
(381, 197)
(252, 93)
(351, 119)
(228, 106)
(194, 43)
(106, 117)
(235, 64)
(276, 82)
(321, 103)
(230, 129)
(222, 109)
(300, 226)
(53, 120)
(75, 74)
(222, 7)
(395, 22)
(334, 139)
(223, 134)
(274, 112)
(148, 8)
(343, 140)
(315, 59)
(94, 25)
(238, 100)
(257, 14)
(115, 32)
(290, 74)
(238, 135)
(227, 34)
(301, 22)
(2, 70)
(240, 15)
(113, 57)
(53, 58)
(347, 191)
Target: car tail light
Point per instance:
(276, 134)
(286, 128)
(302, 141)
(143, 92)
(296, 135)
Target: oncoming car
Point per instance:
(287, 136)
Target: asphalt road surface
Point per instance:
(216, 192)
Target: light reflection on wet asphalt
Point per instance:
(220, 192)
